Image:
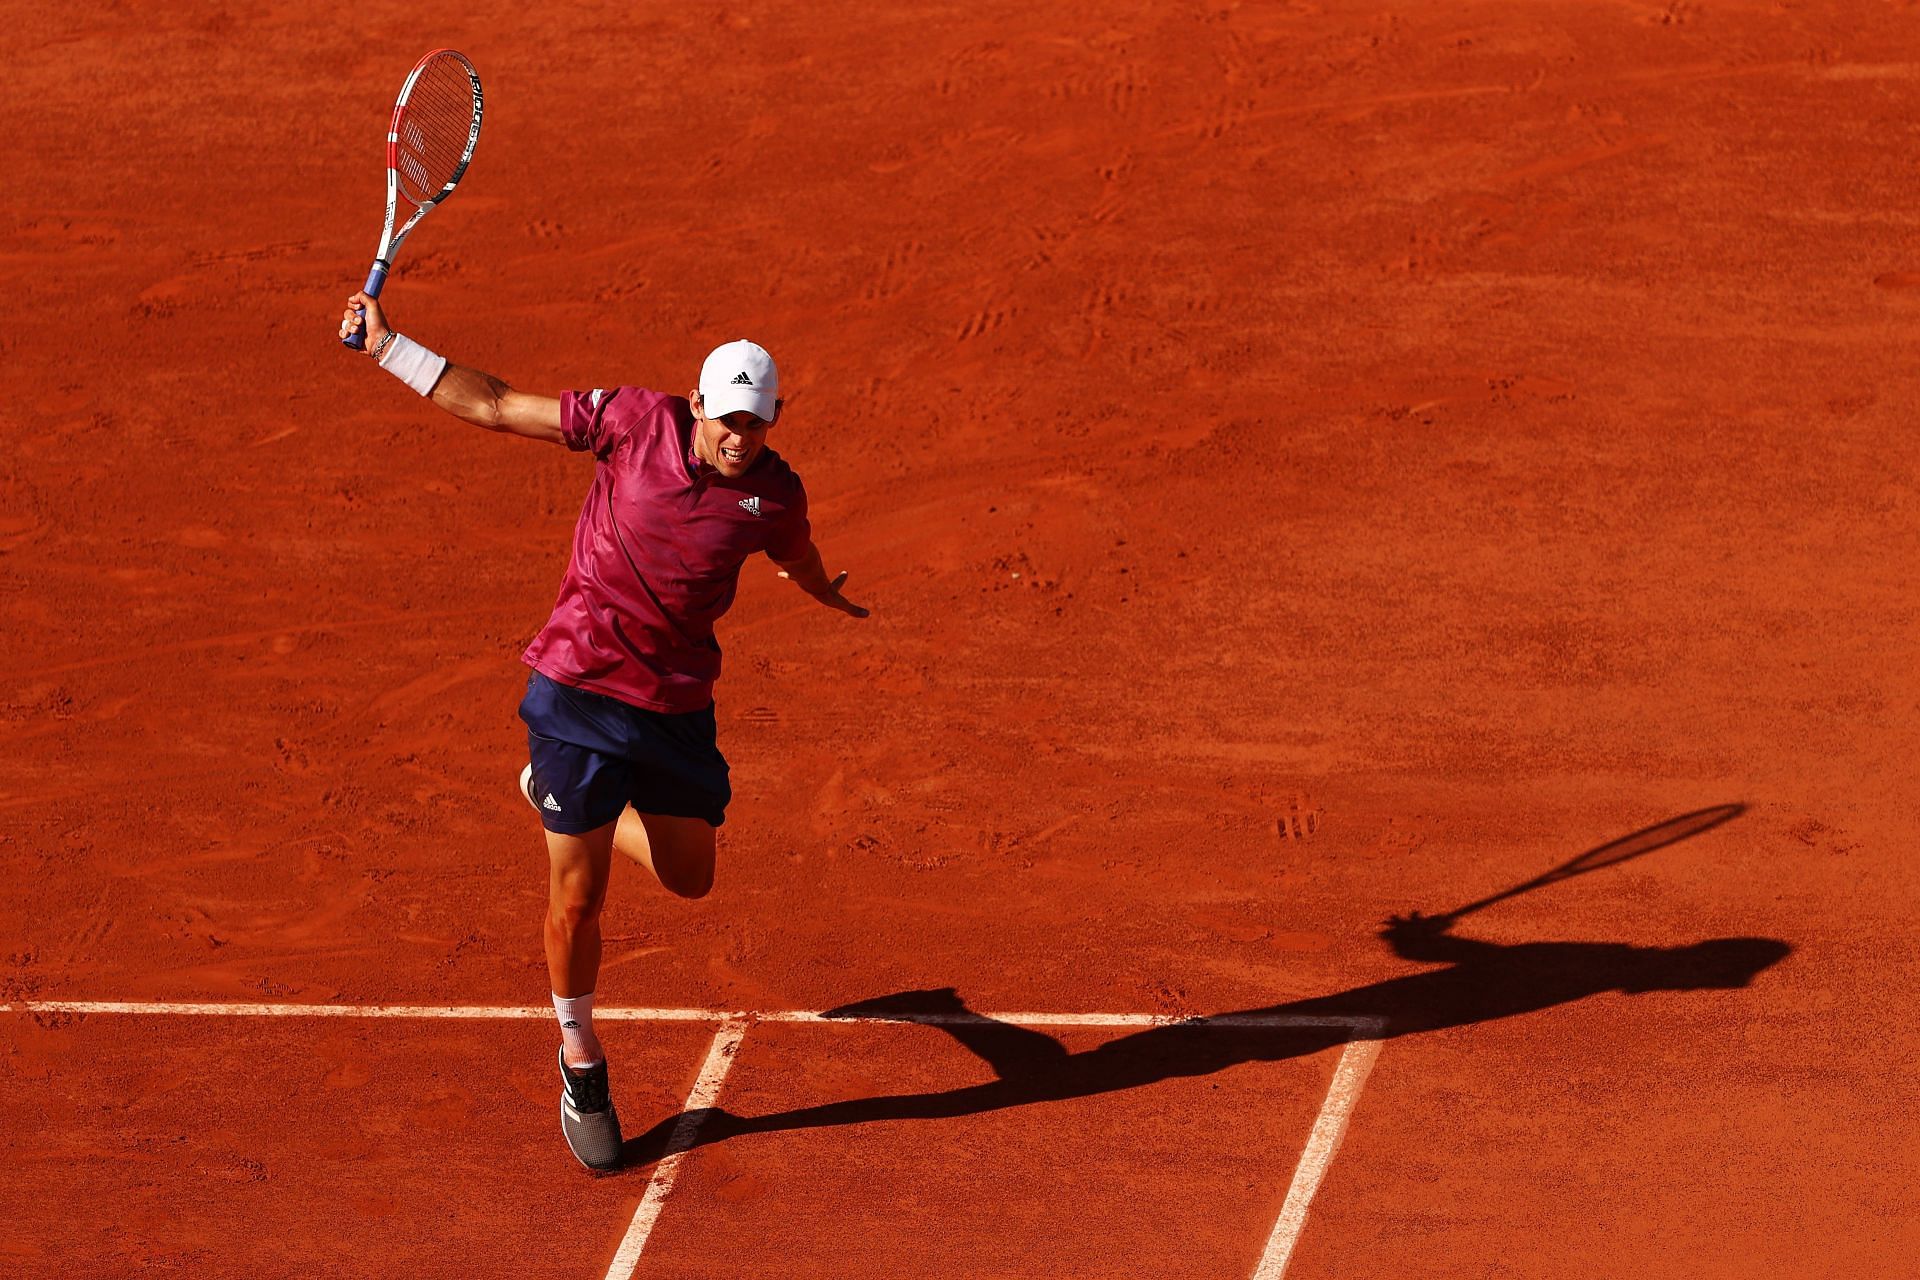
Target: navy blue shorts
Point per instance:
(594, 755)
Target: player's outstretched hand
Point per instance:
(832, 598)
(374, 320)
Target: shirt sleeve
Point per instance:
(795, 532)
(589, 423)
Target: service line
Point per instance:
(252, 1009)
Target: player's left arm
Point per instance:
(810, 575)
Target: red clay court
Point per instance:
(1308, 463)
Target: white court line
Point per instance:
(1329, 1127)
(706, 1092)
(249, 1009)
(1356, 1060)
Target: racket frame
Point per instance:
(390, 240)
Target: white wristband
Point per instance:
(413, 364)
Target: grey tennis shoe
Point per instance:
(586, 1116)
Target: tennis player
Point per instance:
(619, 705)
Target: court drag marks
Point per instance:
(1306, 463)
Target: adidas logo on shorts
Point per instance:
(550, 803)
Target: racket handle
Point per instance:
(376, 280)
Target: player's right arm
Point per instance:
(1425, 938)
(468, 394)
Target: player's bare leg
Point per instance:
(679, 851)
(577, 871)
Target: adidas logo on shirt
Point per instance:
(750, 505)
(741, 379)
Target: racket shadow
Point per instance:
(1480, 981)
(1611, 854)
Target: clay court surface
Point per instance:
(1306, 463)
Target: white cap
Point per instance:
(739, 375)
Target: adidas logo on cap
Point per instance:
(741, 379)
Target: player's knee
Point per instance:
(576, 904)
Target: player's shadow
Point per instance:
(1482, 981)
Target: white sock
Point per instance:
(582, 1047)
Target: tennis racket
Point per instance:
(436, 125)
(1615, 852)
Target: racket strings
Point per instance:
(433, 129)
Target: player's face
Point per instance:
(732, 442)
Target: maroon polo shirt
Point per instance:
(657, 552)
